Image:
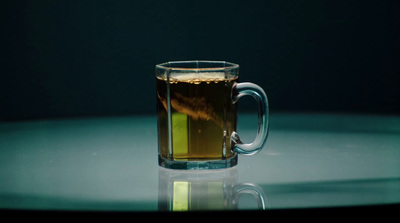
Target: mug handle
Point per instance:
(259, 95)
(253, 189)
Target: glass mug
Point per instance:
(196, 105)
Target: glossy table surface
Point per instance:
(110, 164)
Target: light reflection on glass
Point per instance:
(205, 190)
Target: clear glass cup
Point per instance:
(196, 105)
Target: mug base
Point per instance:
(197, 165)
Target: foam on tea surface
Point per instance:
(197, 78)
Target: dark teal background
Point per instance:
(95, 58)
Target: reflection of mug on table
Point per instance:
(205, 190)
(196, 102)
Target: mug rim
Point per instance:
(174, 65)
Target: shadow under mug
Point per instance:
(197, 115)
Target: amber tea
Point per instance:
(202, 116)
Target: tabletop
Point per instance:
(110, 164)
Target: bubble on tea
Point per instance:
(173, 80)
(196, 81)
